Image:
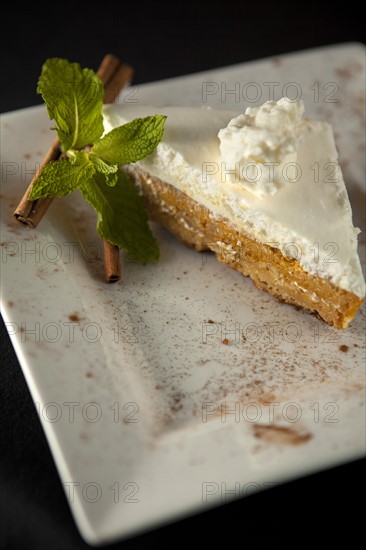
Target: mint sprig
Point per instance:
(124, 144)
(59, 178)
(74, 98)
(110, 171)
(122, 218)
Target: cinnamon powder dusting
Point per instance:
(281, 435)
(75, 317)
(343, 348)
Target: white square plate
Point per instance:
(148, 414)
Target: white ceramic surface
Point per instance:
(132, 380)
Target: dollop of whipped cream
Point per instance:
(259, 148)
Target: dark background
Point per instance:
(159, 43)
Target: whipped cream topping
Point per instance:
(259, 148)
(309, 219)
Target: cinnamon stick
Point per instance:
(112, 262)
(122, 74)
(120, 78)
(114, 75)
(31, 212)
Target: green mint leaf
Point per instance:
(110, 171)
(74, 99)
(122, 218)
(59, 178)
(132, 141)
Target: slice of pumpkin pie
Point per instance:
(264, 191)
